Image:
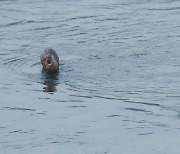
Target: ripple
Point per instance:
(15, 23)
(16, 62)
(138, 110)
(23, 65)
(31, 131)
(17, 108)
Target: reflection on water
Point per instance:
(50, 86)
(50, 82)
(118, 88)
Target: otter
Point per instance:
(50, 61)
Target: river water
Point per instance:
(118, 90)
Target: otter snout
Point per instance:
(50, 61)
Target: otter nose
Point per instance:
(48, 59)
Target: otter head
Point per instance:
(50, 65)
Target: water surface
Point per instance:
(118, 90)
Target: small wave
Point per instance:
(80, 17)
(15, 23)
(18, 108)
(16, 62)
(25, 66)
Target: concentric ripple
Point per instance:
(22, 64)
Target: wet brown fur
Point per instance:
(54, 66)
